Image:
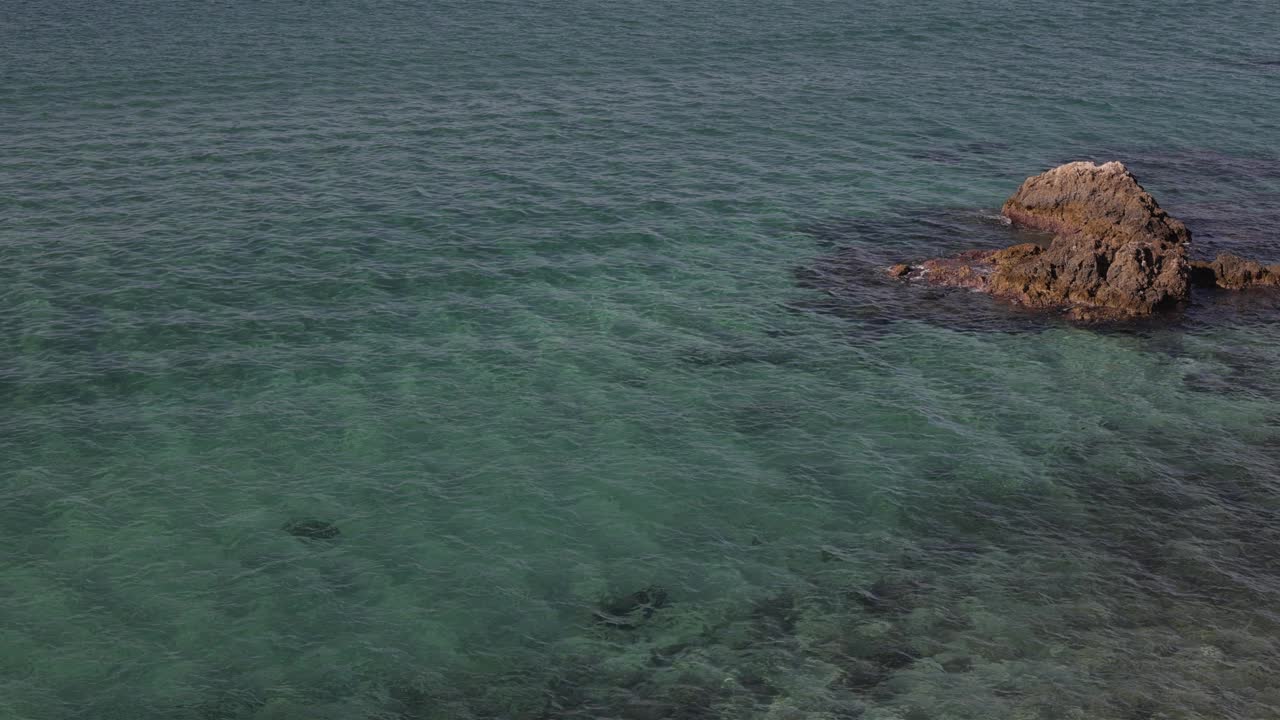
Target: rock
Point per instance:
(312, 529)
(1231, 272)
(971, 269)
(628, 612)
(1103, 202)
(1115, 254)
(1202, 274)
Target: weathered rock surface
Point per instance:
(1231, 272)
(1104, 202)
(1115, 253)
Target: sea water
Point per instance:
(444, 359)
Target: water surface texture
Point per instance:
(444, 359)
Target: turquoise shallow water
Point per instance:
(554, 308)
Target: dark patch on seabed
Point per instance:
(312, 529)
(1152, 594)
(1234, 369)
(1131, 585)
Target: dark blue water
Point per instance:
(450, 360)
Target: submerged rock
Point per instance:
(626, 613)
(312, 529)
(1115, 253)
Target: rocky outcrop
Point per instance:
(1231, 272)
(1114, 254)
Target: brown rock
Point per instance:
(1232, 272)
(1104, 202)
(1202, 275)
(899, 270)
(1116, 253)
(970, 269)
(1016, 254)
